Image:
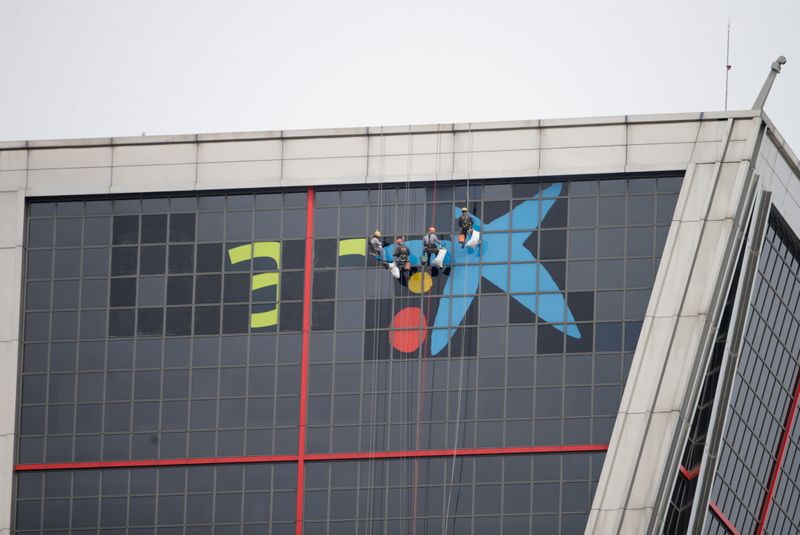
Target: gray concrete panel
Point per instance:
(680, 325)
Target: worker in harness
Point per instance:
(401, 256)
(465, 224)
(376, 246)
(431, 245)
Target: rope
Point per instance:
(421, 377)
(381, 171)
(406, 376)
(375, 338)
(460, 367)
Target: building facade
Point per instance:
(196, 339)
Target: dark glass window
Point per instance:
(123, 292)
(67, 263)
(209, 257)
(40, 264)
(180, 290)
(181, 227)
(96, 231)
(126, 229)
(40, 233)
(211, 226)
(208, 289)
(121, 322)
(154, 228)
(95, 262)
(206, 320)
(234, 319)
(68, 232)
(181, 258)
(237, 287)
(123, 260)
(150, 321)
(66, 294)
(239, 226)
(152, 260)
(293, 256)
(179, 321)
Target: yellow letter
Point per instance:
(261, 249)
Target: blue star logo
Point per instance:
(527, 280)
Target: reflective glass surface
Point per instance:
(171, 328)
(784, 511)
(524, 340)
(235, 498)
(148, 331)
(762, 395)
(513, 494)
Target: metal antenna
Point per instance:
(727, 63)
(773, 72)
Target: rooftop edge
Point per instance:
(378, 130)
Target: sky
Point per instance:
(105, 68)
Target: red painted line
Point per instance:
(776, 467)
(458, 452)
(82, 465)
(689, 474)
(301, 429)
(722, 518)
(359, 455)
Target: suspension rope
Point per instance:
(407, 409)
(379, 280)
(421, 375)
(461, 364)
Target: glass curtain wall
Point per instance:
(479, 396)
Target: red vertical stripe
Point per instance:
(301, 429)
(722, 518)
(776, 467)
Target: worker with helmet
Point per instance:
(465, 224)
(376, 244)
(401, 255)
(431, 244)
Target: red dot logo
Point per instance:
(409, 330)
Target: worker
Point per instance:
(401, 255)
(376, 244)
(465, 223)
(431, 244)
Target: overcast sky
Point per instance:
(111, 68)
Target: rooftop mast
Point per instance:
(727, 63)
